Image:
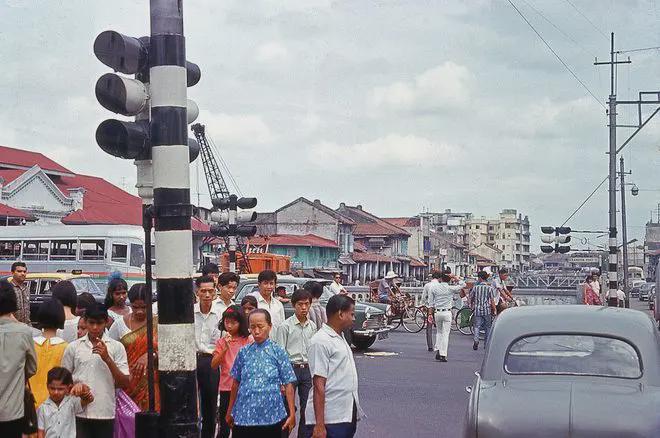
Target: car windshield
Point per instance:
(86, 285)
(573, 354)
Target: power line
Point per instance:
(556, 55)
(587, 18)
(585, 201)
(638, 50)
(567, 36)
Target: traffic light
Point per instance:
(557, 236)
(228, 220)
(130, 97)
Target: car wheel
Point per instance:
(362, 343)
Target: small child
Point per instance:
(56, 417)
(82, 328)
(235, 326)
(248, 304)
(317, 310)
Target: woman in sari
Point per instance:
(131, 331)
(590, 296)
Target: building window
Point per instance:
(10, 250)
(137, 255)
(292, 252)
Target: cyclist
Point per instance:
(482, 302)
(502, 295)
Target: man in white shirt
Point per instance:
(620, 297)
(207, 333)
(441, 301)
(336, 287)
(267, 281)
(335, 406)
(227, 284)
(502, 295)
(100, 363)
(424, 301)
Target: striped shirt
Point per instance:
(481, 296)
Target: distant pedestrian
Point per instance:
(100, 363)
(385, 287)
(211, 270)
(48, 346)
(56, 417)
(295, 337)
(248, 304)
(317, 310)
(18, 362)
(502, 295)
(335, 406)
(207, 334)
(336, 287)
(227, 284)
(22, 290)
(618, 297)
(256, 408)
(267, 282)
(482, 302)
(590, 296)
(280, 294)
(115, 300)
(424, 301)
(65, 292)
(441, 297)
(234, 325)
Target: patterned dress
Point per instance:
(261, 369)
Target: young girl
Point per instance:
(56, 417)
(235, 326)
(248, 304)
(49, 347)
(115, 300)
(256, 407)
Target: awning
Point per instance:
(346, 260)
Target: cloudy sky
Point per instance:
(401, 106)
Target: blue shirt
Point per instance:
(261, 369)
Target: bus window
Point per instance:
(35, 250)
(119, 253)
(10, 250)
(92, 250)
(63, 249)
(137, 255)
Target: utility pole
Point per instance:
(624, 232)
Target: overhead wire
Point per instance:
(600, 31)
(585, 201)
(567, 36)
(223, 164)
(556, 55)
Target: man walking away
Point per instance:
(482, 302)
(295, 336)
(441, 298)
(335, 407)
(22, 290)
(424, 301)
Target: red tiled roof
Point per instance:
(293, 240)
(27, 159)
(402, 222)
(103, 203)
(199, 226)
(7, 211)
(360, 247)
(369, 224)
(317, 204)
(416, 263)
(372, 257)
(10, 174)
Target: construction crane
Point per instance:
(217, 185)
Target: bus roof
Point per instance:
(52, 231)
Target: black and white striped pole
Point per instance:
(169, 79)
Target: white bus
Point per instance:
(96, 250)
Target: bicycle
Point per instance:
(402, 312)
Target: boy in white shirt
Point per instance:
(56, 417)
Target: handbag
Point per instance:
(29, 412)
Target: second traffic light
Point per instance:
(228, 221)
(557, 236)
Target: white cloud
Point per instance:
(272, 51)
(392, 150)
(237, 129)
(445, 86)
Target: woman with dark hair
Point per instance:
(590, 296)
(65, 292)
(17, 362)
(115, 299)
(49, 347)
(234, 325)
(131, 331)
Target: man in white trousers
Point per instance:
(441, 296)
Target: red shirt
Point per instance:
(228, 361)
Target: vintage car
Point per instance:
(369, 325)
(567, 371)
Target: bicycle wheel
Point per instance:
(464, 321)
(454, 313)
(413, 320)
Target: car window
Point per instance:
(86, 285)
(573, 354)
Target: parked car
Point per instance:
(369, 326)
(554, 371)
(644, 291)
(634, 290)
(41, 282)
(652, 299)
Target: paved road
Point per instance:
(411, 394)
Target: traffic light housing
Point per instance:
(228, 221)
(557, 236)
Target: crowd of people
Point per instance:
(83, 373)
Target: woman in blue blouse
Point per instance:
(256, 408)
